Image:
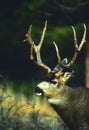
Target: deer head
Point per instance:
(57, 77)
(60, 95)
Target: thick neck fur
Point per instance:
(73, 107)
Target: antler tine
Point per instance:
(36, 48)
(30, 41)
(28, 35)
(57, 52)
(75, 39)
(83, 38)
(43, 34)
(77, 48)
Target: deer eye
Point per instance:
(53, 82)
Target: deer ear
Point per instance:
(64, 62)
(57, 68)
(68, 75)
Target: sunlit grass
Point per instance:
(22, 103)
(30, 111)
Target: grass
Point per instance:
(19, 111)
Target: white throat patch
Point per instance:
(54, 101)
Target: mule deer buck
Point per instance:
(71, 103)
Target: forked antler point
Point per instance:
(37, 48)
(77, 48)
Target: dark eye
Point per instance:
(53, 82)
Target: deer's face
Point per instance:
(53, 87)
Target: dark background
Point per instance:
(15, 18)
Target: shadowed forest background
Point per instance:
(15, 18)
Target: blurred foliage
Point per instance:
(17, 112)
(15, 18)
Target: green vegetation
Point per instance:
(13, 116)
(15, 66)
(15, 18)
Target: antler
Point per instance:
(57, 52)
(77, 50)
(36, 48)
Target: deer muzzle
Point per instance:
(39, 91)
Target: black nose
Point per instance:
(39, 90)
